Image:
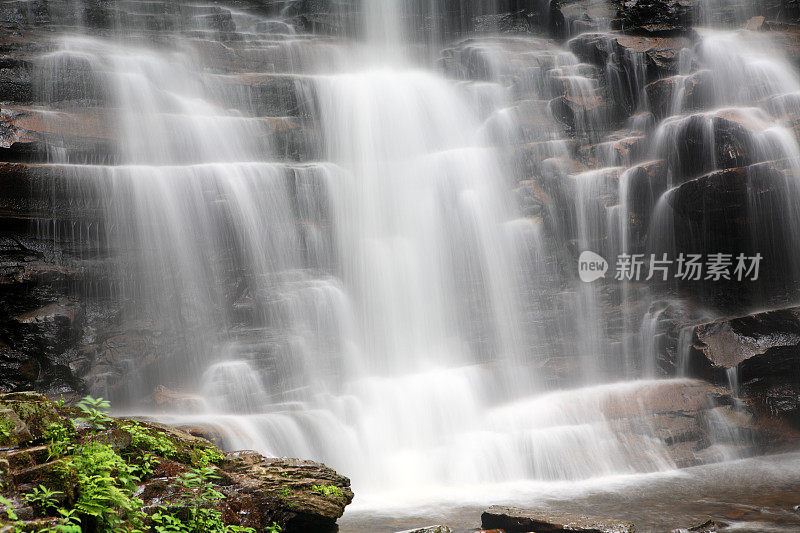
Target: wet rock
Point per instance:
(646, 183)
(514, 520)
(533, 199)
(736, 211)
(761, 352)
(657, 17)
(527, 121)
(678, 94)
(723, 139)
(429, 529)
(709, 526)
(627, 148)
(587, 114)
(728, 343)
(573, 17)
(658, 56)
(756, 23)
(169, 400)
(311, 495)
(52, 327)
(714, 198)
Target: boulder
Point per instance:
(429, 529)
(646, 183)
(534, 201)
(34, 411)
(312, 496)
(50, 328)
(515, 520)
(760, 351)
(168, 400)
(660, 56)
(678, 94)
(13, 430)
(724, 139)
(737, 211)
(590, 114)
(298, 496)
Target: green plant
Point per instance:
(106, 484)
(201, 497)
(13, 519)
(285, 492)
(274, 528)
(96, 410)
(60, 439)
(147, 464)
(327, 490)
(143, 438)
(9, 508)
(70, 522)
(202, 457)
(6, 430)
(43, 498)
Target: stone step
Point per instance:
(25, 458)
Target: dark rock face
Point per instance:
(656, 16)
(678, 94)
(762, 351)
(659, 54)
(723, 139)
(573, 17)
(515, 520)
(737, 211)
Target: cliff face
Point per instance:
(67, 325)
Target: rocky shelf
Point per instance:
(61, 466)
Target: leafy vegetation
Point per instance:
(43, 498)
(95, 411)
(105, 480)
(146, 440)
(6, 429)
(59, 438)
(327, 490)
(201, 495)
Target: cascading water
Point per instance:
(325, 230)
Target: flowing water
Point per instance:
(368, 293)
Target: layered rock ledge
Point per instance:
(155, 474)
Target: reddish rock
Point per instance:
(515, 520)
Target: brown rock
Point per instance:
(169, 400)
(763, 352)
(514, 520)
(756, 23)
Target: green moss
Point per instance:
(36, 411)
(327, 490)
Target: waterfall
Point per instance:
(323, 233)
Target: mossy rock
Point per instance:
(36, 411)
(13, 431)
